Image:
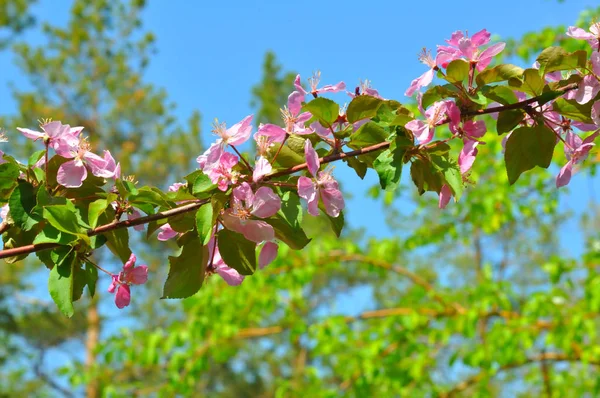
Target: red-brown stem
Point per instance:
(243, 159)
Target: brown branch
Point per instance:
(107, 228)
(544, 357)
(4, 226)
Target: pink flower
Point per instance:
(593, 37)
(229, 275)
(589, 86)
(246, 206)
(314, 82)
(268, 253)
(175, 187)
(221, 173)
(445, 196)
(235, 135)
(292, 118)
(426, 78)
(365, 89)
(323, 185)
(464, 47)
(72, 173)
(130, 275)
(261, 169)
(56, 133)
(576, 151)
(166, 233)
(435, 116)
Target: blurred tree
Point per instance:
(14, 19)
(271, 93)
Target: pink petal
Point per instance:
(595, 58)
(274, 132)
(298, 85)
(123, 296)
(332, 88)
(97, 165)
(261, 169)
(230, 275)
(266, 203)
(445, 195)
(333, 201)
(307, 190)
(578, 33)
(243, 192)
(422, 81)
(475, 129)
(295, 102)
(113, 284)
(312, 158)
(467, 156)
(166, 233)
(210, 156)
(588, 89)
(130, 263)
(268, 253)
(34, 135)
(71, 174)
(421, 131)
(132, 216)
(564, 176)
(492, 51)
(138, 275)
(596, 113)
(257, 231)
(240, 132)
(480, 38)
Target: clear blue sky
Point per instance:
(210, 52)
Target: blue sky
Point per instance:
(210, 53)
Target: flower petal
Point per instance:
(312, 159)
(71, 174)
(240, 132)
(123, 297)
(268, 253)
(230, 275)
(266, 203)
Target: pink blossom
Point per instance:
(435, 116)
(130, 275)
(445, 196)
(314, 82)
(175, 186)
(55, 133)
(593, 37)
(222, 173)
(323, 185)
(365, 89)
(72, 173)
(268, 253)
(4, 212)
(596, 113)
(463, 47)
(246, 207)
(235, 135)
(261, 169)
(166, 233)
(426, 78)
(589, 85)
(229, 275)
(576, 151)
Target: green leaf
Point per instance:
(126, 188)
(508, 120)
(457, 71)
(237, 252)
(204, 223)
(388, 166)
(91, 274)
(52, 235)
(359, 167)
(60, 283)
(62, 218)
(362, 107)
(287, 222)
(554, 59)
(186, 271)
(368, 134)
(573, 110)
(37, 155)
(451, 173)
(324, 110)
(531, 82)
(437, 93)
(117, 239)
(498, 73)
(337, 223)
(526, 148)
(501, 94)
(95, 209)
(9, 173)
(21, 203)
(150, 195)
(425, 176)
(202, 184)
